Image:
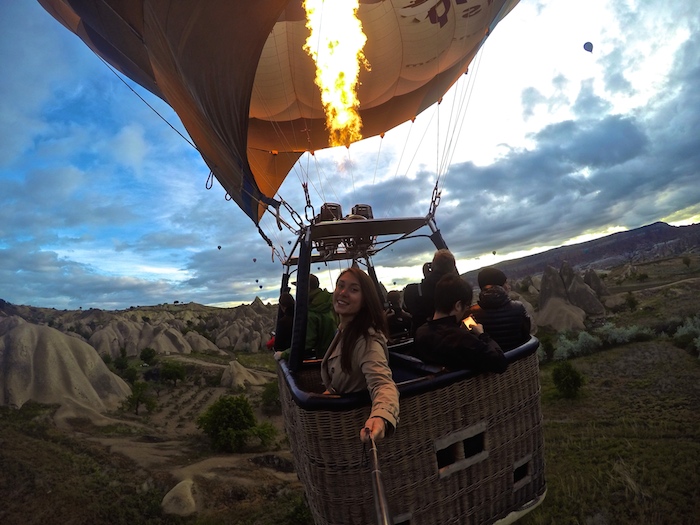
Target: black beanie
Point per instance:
(491, 276)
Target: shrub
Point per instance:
(130, 375)
(686, 261)
(121, 362)
(688, 334)
(214, 380)
(611, 335)
(148, 355)
(230, 423)
(584, 344)
(631, 301)
(271, 398)
(567, 379)
(265, 432)
(546, 348)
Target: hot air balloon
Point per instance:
(219, 247)
(588, 47)
(236, 74)
(243, 86)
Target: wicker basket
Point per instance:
(468, 449)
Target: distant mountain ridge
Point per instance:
(647, 243)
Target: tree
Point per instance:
(140, 395)
(121, 362)
(270, 398)
(148, 355)
(230, 423)
(130, 375)
(567, 379)
(172, 371)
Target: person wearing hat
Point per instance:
(504, 319)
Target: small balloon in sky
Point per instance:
(588, 47)
(256, 280)
(254, 259)
(494, 252)
(219, 247)
(261, 286)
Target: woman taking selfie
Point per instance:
(358, 357)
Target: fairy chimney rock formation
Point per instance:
(592, 279)
(567, 274)
(583, 296)
(561, 315)
(551, 286)
(42, 364)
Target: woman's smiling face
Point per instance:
(347, 296)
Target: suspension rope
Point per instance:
(145, 102)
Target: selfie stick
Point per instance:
(380, 502)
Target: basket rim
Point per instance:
(432, 380)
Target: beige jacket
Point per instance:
(370, 370)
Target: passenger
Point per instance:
(398, 319)
(358, 357)
(420, 299)
(446, 341)
(321, 323)
(505, 320)
(285, 322)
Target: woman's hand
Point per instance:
(375, 427)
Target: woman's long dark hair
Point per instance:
(371, 315)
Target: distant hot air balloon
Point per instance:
(494, 252)
(588, 47)
(219, 247)
(256, 280)
(254, 259)
(261, 286)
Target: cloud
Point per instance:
(129, 147)
(103, 204)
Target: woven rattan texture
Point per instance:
(508, 473)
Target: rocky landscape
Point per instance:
(65, 361)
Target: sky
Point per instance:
(103, 205)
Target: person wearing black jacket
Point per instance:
(445, 340)
(285, 322)
(505, 320)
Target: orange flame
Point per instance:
(338, 59)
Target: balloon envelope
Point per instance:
(588, 47)
(236, 74)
